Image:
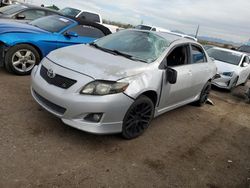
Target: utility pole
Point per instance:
(197, 31)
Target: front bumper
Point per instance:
(224, 82)
(72, 107)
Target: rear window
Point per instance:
(52, 23)
(87, 31)
(11, 9)
(88, 16)
(72, 12)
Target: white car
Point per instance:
(89, 16)
(82, 14)
(159, 29)
(151, 28)
(233, 67)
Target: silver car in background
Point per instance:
(120, 82)
(233, 67)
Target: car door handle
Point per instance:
(190, 72)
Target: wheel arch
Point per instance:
(34, 46)
(152, 95)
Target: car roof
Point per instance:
(29, 6)
(228, 50)
(83, 10)
(169, 36)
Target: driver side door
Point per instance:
(174, 95)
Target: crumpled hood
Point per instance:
(96, 63)
(15, 27)
(225, 67)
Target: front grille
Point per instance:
(56, 108)
(57, 80)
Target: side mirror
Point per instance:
(71, 34)
(245, 64)
(20, 17)
(171, 75)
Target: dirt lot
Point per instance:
(189, 147)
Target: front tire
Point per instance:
(234, 84)
(21, 59)
(138, 117)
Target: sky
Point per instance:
(229, 20)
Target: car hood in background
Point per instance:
(7, 26)
(96, 63)
(225, 67)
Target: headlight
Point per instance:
(104, 88)
(228, 74)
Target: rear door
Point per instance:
(86, 34)
(200, 69)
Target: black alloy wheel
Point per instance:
(138, 117)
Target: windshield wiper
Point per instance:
(116, 52)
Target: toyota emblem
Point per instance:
(51, 73)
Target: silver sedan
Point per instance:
(119, 83)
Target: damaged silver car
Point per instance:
(119, 83)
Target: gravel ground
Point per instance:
(189, 147)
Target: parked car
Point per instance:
(159, 29)
(5, 3)
(207, 47)
(25, 12)
(245, 49)
(81, 14)
(147, 27)
(120, 82)
(233, 67)
(87, 16)
(22, 46)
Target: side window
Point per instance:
(246, 59)
(153, 29)
(87, 31)
(179, 56)
(33, 14)
(198, 55)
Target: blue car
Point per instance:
(22, 45)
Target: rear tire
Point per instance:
(21, 59)
(204, 94)
(138, 117)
